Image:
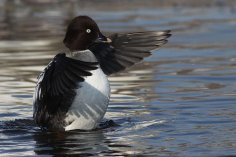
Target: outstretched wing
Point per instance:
(56, 86)
(127, 49)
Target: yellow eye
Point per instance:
(88, 30)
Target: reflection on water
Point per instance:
(178, 102)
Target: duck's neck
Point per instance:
(84, 55)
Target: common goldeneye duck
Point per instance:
(73, 91)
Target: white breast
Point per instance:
(90, 103)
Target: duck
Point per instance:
(73, 91)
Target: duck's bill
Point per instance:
(102, 39)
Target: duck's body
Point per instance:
(73, 91)
(87, 106)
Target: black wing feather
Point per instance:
(127, 49)
(58, 72)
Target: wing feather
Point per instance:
(126, 49)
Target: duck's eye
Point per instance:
(88, 30)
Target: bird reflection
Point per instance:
(79, 143)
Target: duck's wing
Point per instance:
(126, 49)
(56, 86)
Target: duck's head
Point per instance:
(81, 33)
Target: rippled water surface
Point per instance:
(181, 101)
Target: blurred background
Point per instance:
(178, 102)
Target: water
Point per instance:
(178, 102)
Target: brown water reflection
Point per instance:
(178, 102)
